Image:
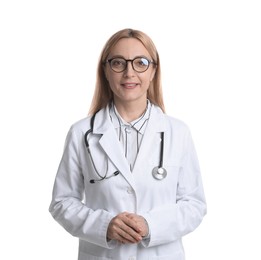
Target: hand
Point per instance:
(127, 228)
(141, 222)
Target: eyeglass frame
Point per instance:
(131, 61)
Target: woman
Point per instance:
(129, 184)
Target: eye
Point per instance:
(118, 63)
(141, 62)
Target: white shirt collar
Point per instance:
(139, 124)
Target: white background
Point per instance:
(211, 63)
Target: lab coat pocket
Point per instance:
(172, 169)
(157, 192)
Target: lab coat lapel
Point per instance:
(110, 143)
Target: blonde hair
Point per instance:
(103, 94)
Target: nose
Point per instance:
(129, 71)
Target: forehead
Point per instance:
(129, 48)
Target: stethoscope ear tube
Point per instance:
(86, 139)
(158, 172)
(161, 149)
(89, 131)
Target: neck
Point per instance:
(130, 111)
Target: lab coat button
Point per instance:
(129, 190)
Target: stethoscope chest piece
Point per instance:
(159, 173)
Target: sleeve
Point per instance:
(170, 222)
(67, 206)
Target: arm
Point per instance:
(170, 222)
(67, 207)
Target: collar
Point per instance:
(138, 124)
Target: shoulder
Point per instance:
(84, 124)
(79, 128)
(171, 121)
(176, 122)
(76, 132)
(178, 128)
(81, 124)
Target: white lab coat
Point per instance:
(173, 207)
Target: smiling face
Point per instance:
(129, 85)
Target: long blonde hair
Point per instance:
(103, 94)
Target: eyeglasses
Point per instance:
(139, 64)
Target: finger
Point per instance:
(126, 237)
(132, 222)
(141, 223)
(125, 230)
(130, 234)
(122, 235)
(136, 222)
(120, 230)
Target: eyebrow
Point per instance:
(120, 56)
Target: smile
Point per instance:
(129, 85)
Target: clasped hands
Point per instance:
(127, 228)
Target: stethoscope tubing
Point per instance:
(158, 172)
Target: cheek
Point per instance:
(112, 81)
(108, 76)
(147, 80)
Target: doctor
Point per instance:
(129, 183)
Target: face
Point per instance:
(129, 85)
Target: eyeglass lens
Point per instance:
(139, 64)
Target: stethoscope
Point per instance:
(158, 172)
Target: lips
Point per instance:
(129, 85)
